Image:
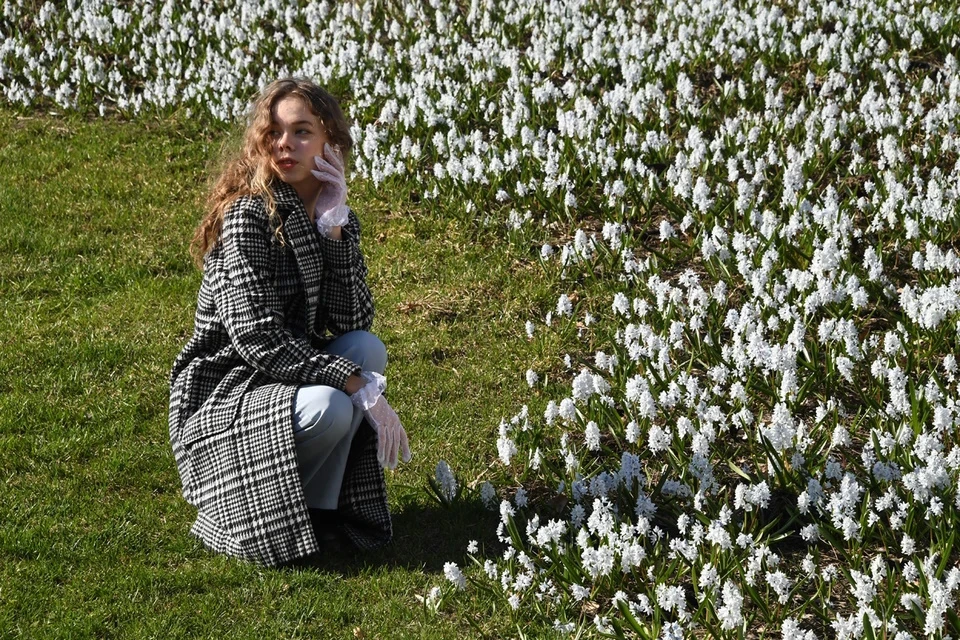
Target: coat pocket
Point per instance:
(212, 419)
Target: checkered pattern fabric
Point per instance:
(265, 310)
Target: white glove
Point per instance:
(331, 208)
(391, 438)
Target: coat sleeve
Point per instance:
(252, 311)
(347, 302)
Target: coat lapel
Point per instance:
(302, 237)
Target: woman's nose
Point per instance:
(284, 141)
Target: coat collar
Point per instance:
(302, 236)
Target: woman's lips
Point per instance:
(286, 164)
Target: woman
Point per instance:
(277, 419)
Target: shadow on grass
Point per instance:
(424, 538)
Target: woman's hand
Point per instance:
(392, 443)
(331, 211)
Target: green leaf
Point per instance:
(631, 620)
(954, 621)
(737, 470)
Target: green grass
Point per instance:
(97, 293)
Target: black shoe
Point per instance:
(326, 527)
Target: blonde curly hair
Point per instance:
(249, 169)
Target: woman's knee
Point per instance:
(325, 413)
(375, 353)
(362, 347)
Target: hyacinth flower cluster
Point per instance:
(750, 215)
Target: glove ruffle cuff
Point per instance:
(368, 395)
(334, 218)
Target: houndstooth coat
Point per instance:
(263, 313)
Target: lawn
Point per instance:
(96, 297)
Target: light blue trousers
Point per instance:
(325, 421)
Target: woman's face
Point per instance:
(296, 136)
